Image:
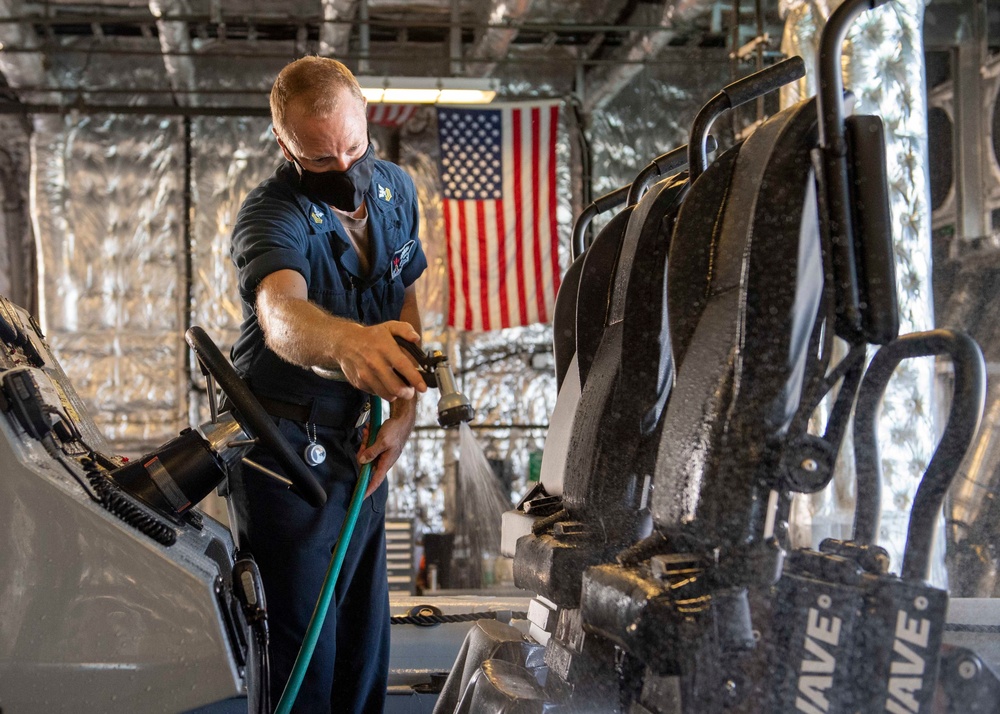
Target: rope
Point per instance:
(429, 620)
(959, 627)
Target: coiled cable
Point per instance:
(117, 503)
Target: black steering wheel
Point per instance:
(253, 417)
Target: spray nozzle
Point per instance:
(453, 406)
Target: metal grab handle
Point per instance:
(604, 203)
(968, 402)
(834, 181)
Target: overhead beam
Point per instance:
(175, 41)
(495, 42)
(335, 32)
(603, 85)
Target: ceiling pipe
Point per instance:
(335, 32)
(175, 38)
(455, 40)
(495, 42)
(604, 85)
(364, 38)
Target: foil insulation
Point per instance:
(17, 245)
(803, 20)
(229, 157)
(649, 116)
(107, 205)
(884, 69)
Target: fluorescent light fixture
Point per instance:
(401, 95)
(428, 90)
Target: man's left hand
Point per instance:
(392, 436)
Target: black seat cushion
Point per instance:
(748, 352)
(630, 376)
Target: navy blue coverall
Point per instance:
(279, 228)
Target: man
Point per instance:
(327, 254)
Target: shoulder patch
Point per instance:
(385, 193)
(401, 257)
(315, 215)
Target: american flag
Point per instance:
(391, 115)
(498, 171)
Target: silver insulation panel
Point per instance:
(107, 202)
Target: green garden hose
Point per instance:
(332, 574)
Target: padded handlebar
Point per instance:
(767, 80)
(731, 96)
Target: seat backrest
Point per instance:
(564, 320)
(692, 250)
(622, 399)
(577, 328)
(747, 356)
(594, 294)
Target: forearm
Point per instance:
(410, 313)
(303, 334)
(404, 410)
(300, 332)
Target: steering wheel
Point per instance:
(253, 417)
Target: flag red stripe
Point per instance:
(518, 221)
(463, 231)
(553, 224)
(450, 239)
(484, 266)
(536, 186)
(390, 115)
(502, 265)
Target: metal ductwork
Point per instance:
(495, 42)
(175, 41)
(22, 69)
(335, 32)
(604, 84)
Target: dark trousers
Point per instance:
(292, 543)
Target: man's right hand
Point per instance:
(372, 361)
(303, 334)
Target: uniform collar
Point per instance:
(381, 200)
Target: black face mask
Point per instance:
(344, 190)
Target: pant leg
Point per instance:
(362, 658)
(292, 543)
